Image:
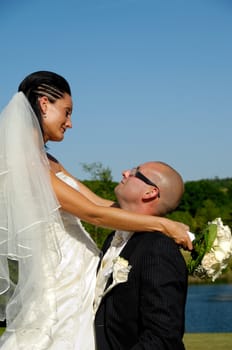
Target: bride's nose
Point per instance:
(68, 123)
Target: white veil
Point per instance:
(28, 218)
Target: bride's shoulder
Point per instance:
(58, 169)
(55, 165)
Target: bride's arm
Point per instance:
(88, 193)
(75, 203)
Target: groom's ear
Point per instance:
(151, 194)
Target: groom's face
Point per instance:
(130, 190)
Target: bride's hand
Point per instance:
(179, 232)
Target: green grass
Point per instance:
(208, 341)
(202, 341)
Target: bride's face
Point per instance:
(56, 117)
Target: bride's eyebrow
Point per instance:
(68, 109)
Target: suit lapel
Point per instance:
(125, 253)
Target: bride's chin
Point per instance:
(57, 138)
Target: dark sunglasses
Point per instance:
(136, 173)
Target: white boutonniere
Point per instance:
(119, 268)
(212, 250)
(120, 271)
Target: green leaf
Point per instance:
(212, 234)
(202, 245)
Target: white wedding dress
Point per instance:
(71, 328)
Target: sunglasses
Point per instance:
(136, 173)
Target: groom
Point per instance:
(141, 295)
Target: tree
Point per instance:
(97, 171)
(101, 183)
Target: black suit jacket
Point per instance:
(148, 311)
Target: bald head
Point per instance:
(159, 195)
(170, 184)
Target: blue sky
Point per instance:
(150, 79)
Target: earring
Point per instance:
(45, 115)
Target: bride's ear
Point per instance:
(43, 103)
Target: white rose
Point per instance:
(121, 269)
(220, 254)
(121, 261)
(222, 230)
(225, 245)
(209, 260)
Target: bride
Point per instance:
(41, 206)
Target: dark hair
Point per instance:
(43, 83)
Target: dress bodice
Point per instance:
(72, 224)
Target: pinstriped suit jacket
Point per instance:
(148, 311)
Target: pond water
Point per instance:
(209, 308)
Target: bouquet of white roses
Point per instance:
(212, 250)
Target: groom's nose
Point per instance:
(126, 173)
